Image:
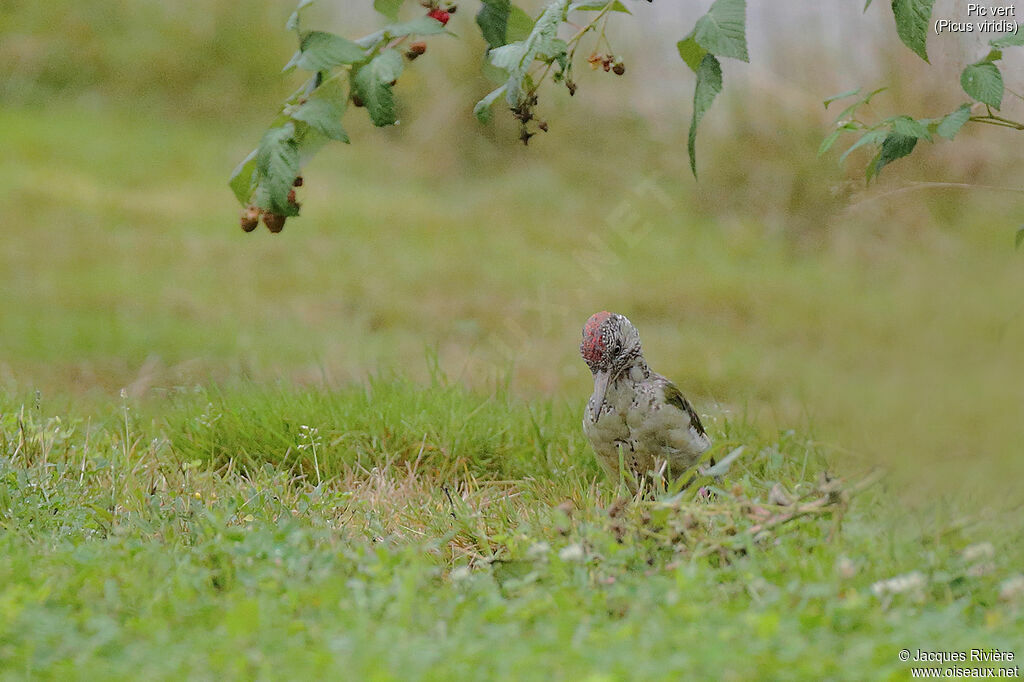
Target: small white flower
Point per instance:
(1012, 588)
(845, 567)
(982, 550)
(574, 552)
(538, 551)
(460, 573)
(910, 582)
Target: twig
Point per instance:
(929, 185)
(451, 502)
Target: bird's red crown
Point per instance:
(593, 346)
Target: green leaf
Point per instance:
(867, 4)
(323, 110)
(691, 52)
(373, 82)
(595, 6)
(421, 26)
(1020, 238)
(895, 146)
(493, 21)
(908, 127)
(321, 51)
(482, 110)
(994, 55)
(516, 57)
(296, 17)
(388, 8)
(954, 121)
(913, 17)
(723, 30)
(243, 178)
(983, 82)
(709, 84)
(501, 22)
(1008, 40)
(841, 95)
(830, 140)
(277, 165)
(520, 24)
(870, 137)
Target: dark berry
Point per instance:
(250, 218)
(298, 182)
(357, 100)
(274, 222)
(619, 68)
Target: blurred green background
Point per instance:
(779, 289)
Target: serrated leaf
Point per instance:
(983, 82)
(277, 165)
(1020, 238)
(709, 84)
(493, 21)
(516, 57)
(321, 51)
(691, 52)
(243, 178)
(595, 6)
(895, 146)
(908, 127)
(870, 137)
(323, 110)
(501, 23)
(373, 85)
(842, 95)
(954, 121)
(388, 8)
(723, 30)
(1008, 40)
(913, 17)
(421, 26)
(519, 24)
(482, 110)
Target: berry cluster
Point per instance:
(607, 62)
(274, 222)
(524, 114)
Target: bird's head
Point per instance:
(611, 344)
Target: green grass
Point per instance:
(270, 498)
(191, 538)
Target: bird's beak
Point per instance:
(601, 381)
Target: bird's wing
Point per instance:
(675, 397)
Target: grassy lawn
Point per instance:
(200, 543)
(353, 450)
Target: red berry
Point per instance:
(440, 15)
